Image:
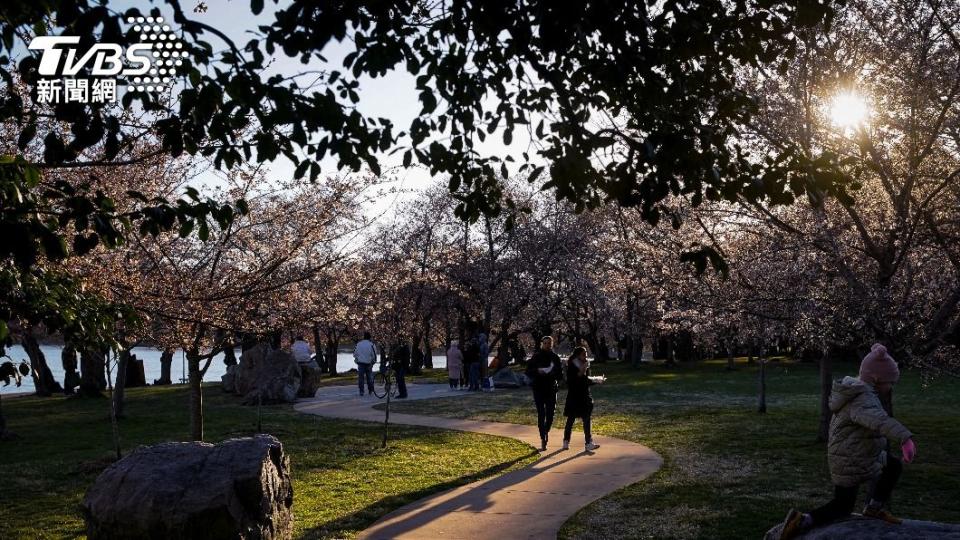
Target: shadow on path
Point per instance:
(532, 502)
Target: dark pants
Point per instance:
(546, 401)
(845, 497)
(475, 375)
(401, 383)
(365, 374)
(568, 429)
(454, 383)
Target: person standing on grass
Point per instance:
(365, 356)
(400, 362)
(579, 403)
(545, 371)
(856, 449)
(471, 362)
(454, 364)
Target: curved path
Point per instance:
(532, 502)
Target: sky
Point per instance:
(393, 96)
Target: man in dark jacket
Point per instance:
(471, 362)
(400, 362)
(545, 372)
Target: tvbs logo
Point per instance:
(148, 66)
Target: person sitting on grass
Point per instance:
(856, 450)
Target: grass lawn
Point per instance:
(342, 480)
(730, 472)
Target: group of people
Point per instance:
(858, 449)
(545, 371)
(464, 365)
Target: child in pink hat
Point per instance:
(856, 449)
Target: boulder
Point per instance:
(239, 488)
(229, 379)
(507, 378)
(309, 379)
(860, 528)
(268, 375)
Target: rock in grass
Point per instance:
(239, 488)
(861, 528)
(267, 375)
(309, 380)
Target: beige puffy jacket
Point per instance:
(857, 432)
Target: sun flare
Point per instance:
(849, 110)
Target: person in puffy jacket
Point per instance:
(856, 451)
(454, 364)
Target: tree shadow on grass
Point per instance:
(363, 518)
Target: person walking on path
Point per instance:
(545, 371)
(365, 355)
(400, 362)
(579, 403)
(454, 364)
(856, 449)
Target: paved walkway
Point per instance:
(532, 502)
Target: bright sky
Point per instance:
(393, 96)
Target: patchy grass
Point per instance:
(730, 472)
(342, 480)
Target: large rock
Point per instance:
(268, 375)
(239, 488)
(309, 379)
(861, 528)
(507, 378)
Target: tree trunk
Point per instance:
(43, 379)
(826, 386)
(229, 355)
(120, 382)
(3, 422)
(196, 395)
(91, 362)
(416, 357)
(636, 351)
(331, 355)
(166, 361)
(427, 350)
(730, 363)
(762, 399)
(318, 347)
(71, 377)
(671, 356)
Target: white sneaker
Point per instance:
(566, 445)
(590, 447)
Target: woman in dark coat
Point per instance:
(579, 402)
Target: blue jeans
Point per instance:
(475, 375)
(365, 371)
(401, 383)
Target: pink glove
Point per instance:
(909, 449)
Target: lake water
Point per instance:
(151, 365)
